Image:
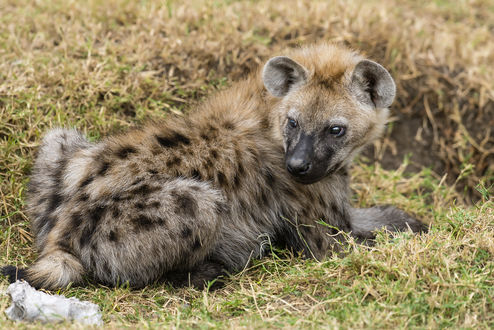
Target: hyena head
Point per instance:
(332, 103)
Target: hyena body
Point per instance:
(263, 162)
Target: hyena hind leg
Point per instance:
(53, 270)
(365, 221)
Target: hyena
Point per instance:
(197, 196)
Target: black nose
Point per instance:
(298, 166)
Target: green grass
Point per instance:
(102, 66)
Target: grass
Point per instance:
(103, 66)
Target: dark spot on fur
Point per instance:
(185, 204)
(140, 205)
(124, 152)
(238, 155)
(240, 169)
(263, 197)
(265, 123)
(252, 151)
(66, 236)
(212, 129)
(213, 153)
(319, 243)
(86, 236)
(105, 267)
(75, 220)
(83, 197)
(221, 179)
(186, 232)
(94, 217)
(55, 200)
(155, 204)
(92, 260)
(269, 177)
(228, 125)
(152, 171)
(145, 189)
(116, 213)
(175, 161)
(143, 222)
(104, 168)
(113, 236)
(173, 140)
(197, 244)
(196, 175)
(236, 180)
(134, 169)
(41, 200)
(86, 182)
(96, 214)
(243, 204)
(335, 209)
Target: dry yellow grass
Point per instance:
(104, 65)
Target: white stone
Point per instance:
(29, 304)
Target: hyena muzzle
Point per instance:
(197, 196)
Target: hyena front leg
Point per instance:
(365, 221)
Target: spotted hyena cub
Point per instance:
(195, 196)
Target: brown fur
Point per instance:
(201, 193)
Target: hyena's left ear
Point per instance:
(282, 74)
(372, 84)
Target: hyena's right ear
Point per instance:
(281, 74)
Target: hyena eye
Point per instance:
(292, 123)
(337, 131)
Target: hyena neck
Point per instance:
(248, 105)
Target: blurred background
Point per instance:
(104, 65)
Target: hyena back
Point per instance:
(195, 196)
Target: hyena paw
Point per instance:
(398, 220)
(365, 222)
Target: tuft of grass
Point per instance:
(102, 66)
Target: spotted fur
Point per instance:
(197, 196)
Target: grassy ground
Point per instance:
(102, 66)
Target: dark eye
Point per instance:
(292, 123)
(337, 131)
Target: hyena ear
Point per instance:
(281, 74)
(372, 84)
